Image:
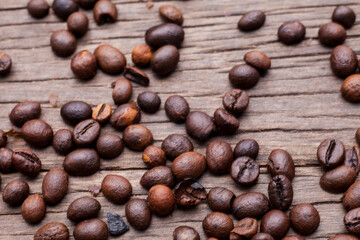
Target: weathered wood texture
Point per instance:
(294, 107)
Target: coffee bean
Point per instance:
(136, 75)
(122, 91)
(176, 144)
(165, 60)
(305, 219)
(63, 8)
(138, 214)
(102, 113)
(236, 101)
(84, 65)
(117, 225)
(291, 32)
(5, 160)
(3, 139)
(281, 163)
(199, 125)
(258, 60)
(83, 208)
(86, 132)
(105, 12)
(37, 133)
(250, 204)
(246, 148)
(172, 14)
(331, 153)
(189, 193)
(294, 237)
(86, 4)
(245, 171)
(137, 137)
(176, 108)
(24, 112)
(332, 34)
(63, 141)
(5, 63)
(343, 61)
(352, 158)
(357, 136)
(63, 43)
(243, 76)
(225, 122)
(344, 16)
(116, 189)
(245, 229)
(91, 229)
(26, 162)
(54, 230)
(219, 157)
(276, 223)
(161, 200)
(217, 225)
(149, 102)
(78, 23)
(75, 111)
(220, 199)
(38, 8)
(350, 88)
(185, 233)
(33, 209)
(351, 198)
(262, 236)
(251, 21)
(15, 192)
(55, 186)
(82, 162)
(189, 165)
(110, 59)
(280, 192)
(109, 145)
(338, 180)
(153, 156)
(351, 221)
(160, 175)
(141, 55)
(164, 34)
(343, 237)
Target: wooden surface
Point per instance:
(294, 107)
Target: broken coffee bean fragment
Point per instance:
(246, 228)
(116, 224)
(105, 11)
(189, 193)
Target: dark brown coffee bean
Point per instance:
(220, 199)
(33, 209)
(86, 4)
(338, 180)
(136, 75)
(199, 125)
(116, 188)
(165, 60)
(24, 112)
(38, 8)
(26, 162)
(160, 175)
(161, 200)
(55, 186)
(305, 219)
(189, 165)
(117, 225)
(105, 12)
(78, 23)
(63, 43)
(262, 236)
(5, 160)
(137, 137)
(350, 88)
(54, 230)
(176, 108)
(165, 34)
(251, 21)
(280, 192)
(3, 139)
(276, 223)
(225, 122)
(141, 55)
(109, 145)
(218, 225)
(138, 214)
(331, 153)
(5, 63)
(91, 229)
(153, 156)
(185, 233)
(189, 193)
(343, 61)
(149, 102)
(332, 34)
(176, 144)
(63, 141)
(86, 132)
(246, 148)
(122, 91)
(15, 192)
(63, 8)
(102, 113)
(351, 221)
(344, 16)
(219, 157)
(245, 171)
(291, 32)
(37, 133)
(281, 163)
(75, 111)
(351, 198)
(83, 208)
(172, 14)
(343, 237)
(258, 60)
(352, 158)
(82, 162)
(243, 76)
(84, 65)
(110, 59)
(251, 204)
(245, 229)
(236, 101)
(294, 237)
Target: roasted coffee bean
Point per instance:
(105, 12)
(63, 8)
(109, 145)
(102, 113)
(82, 162)
(63, 141)
(280, 192)
(75, 111)
(176, 108)
(236, 101)
(24, 112)
(116, 188)
(219, 157)
(189, 165)
(5, 63)
(343, 237)
(91, 229)
(343, 61)
(244, 76)
(262, 236)
(38, 8)
(251, 21)
(5, 160)
(33, 209)
(138, 213)
(351, 221)
(15, 192)
(338, 180)
(78, 23)
(136, 75)
(160, 175)
(54, 230)
(225, 122)
(117, 225)
(37, 133)
(185, 233)
(344, 16)
(153, 156)
(245, 171)
(357, 136)
(26, 162)
(149, 102)
(220, 199)
(305, 219)
(83, 208)
(63, 43)
(86, 132)
(137, 137)
(3, 139)
(141, 55)
(161, 200)
(276, 223)
(281, 163)
(55, 186)
(84, 64)
(245, 229)
(351, 198)
(164, 34)
(251, 204)
(350, 88)
(294, 237)
(86, 4)
(246, 148)
(176, 144)
(122, 91)
(332, 34)
(291, 32)
(164, 60)
(258, 60)
(199, 125)
(110, 59)
(331, 153)
(172, 14)
(218, 225)
(189, 193)
(352, 158)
